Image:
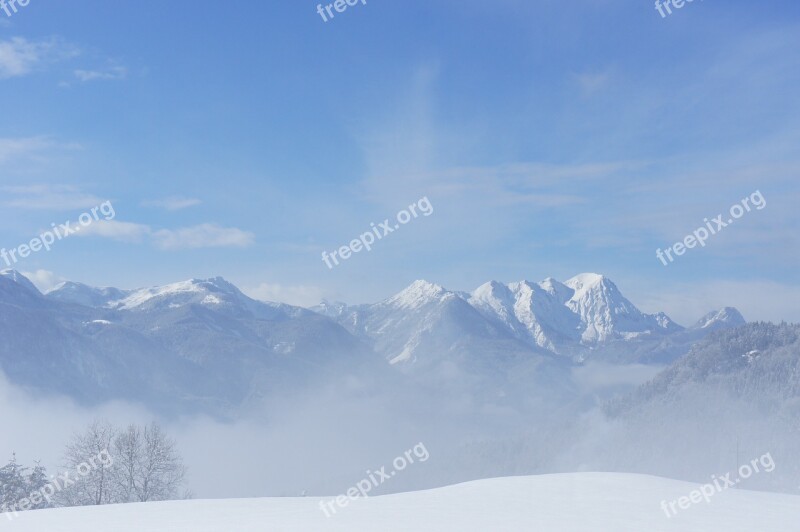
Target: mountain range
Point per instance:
(204, 345)
(586, 317)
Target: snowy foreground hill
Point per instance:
(606, 502)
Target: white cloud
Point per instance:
(202, 236)
(115, 230)
(299, 295)
(20, 57)
(28, 147)
(14, 147)
(44, 280)
(113, 73)
(174, 203)
(591, 82)
(407, 153)
(49, 197)
(198, 236)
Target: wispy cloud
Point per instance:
(174, 203)
(199, 236)
(591, 82)
(116, 230)
(540, 184)
(28, 147)
(48, 197)
(113, 73)
(44, 280)
(20, 57)
(413, 146)
(299, 295)
(203, 236)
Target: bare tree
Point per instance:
(88, 479)
(146, 466)
(127, 452)
(149, 467)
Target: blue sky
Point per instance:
(242, 139)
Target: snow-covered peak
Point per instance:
(494, 299)
(594, 289)
(214, 291)
(491, 291)
(607, 314)
(724, 318)
(586, 281)
(218, 283)
(332, 309)
(419, 293)
(15, 276)
(665, 322)
(556, 288)
(82, 294)
(586, 309)
(540, 309)
(597, 292)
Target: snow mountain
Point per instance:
(442, 342)
(202, 344)
(585, 317)
(726, 318)
(81, 294)
(195, 345)
(587, 310)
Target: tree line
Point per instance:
(103, 464)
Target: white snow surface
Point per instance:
(418, 294)
(142, 296)
(18, 278)
(727, 315)
(587, 308)
(603, 502)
